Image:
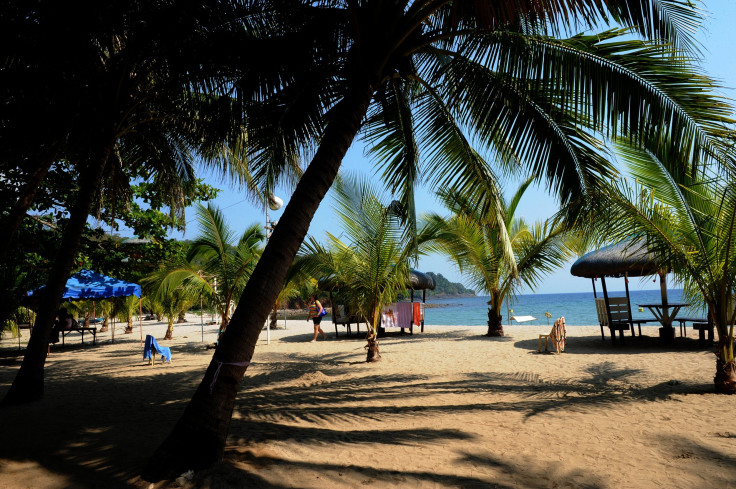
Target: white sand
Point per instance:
(444, 408)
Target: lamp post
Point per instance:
(274, 203)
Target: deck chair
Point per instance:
(152, 348)
(557, 335)
(619, 316)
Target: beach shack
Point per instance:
(409, 314)
(626, 259)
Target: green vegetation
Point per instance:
(689, 222)
(446, 288)
(370, 265)
(217, 266)
(498, 251)
(445, 93)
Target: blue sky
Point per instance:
(718, 40)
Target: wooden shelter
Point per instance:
(624, 259)
(417, 281)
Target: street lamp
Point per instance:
(274, 203)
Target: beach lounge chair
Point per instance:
(152, 348)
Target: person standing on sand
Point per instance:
(316, 311)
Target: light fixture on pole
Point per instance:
(274, 203)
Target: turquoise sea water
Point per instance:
(577, 308)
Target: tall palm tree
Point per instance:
(498, 251)
(689, 221)
(432, 76)
(142, 103)
(371, 264)
(217, 265)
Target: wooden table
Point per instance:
(665, 317)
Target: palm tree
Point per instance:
(125, 310)
(105, 308)
(372, 265)
(217, 265)
(174, 302)
(689, 221)
(498, 251)
(142, 103)
(433, 76)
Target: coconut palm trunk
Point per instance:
(725, 377)
(372, 351)
(495, 316)
(28, 383)
(169, 328)
(198, 439)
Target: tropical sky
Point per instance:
(718, 47)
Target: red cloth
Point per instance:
(417, 313)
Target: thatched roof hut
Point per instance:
(417, 281)
(629, 258)
(625, 259)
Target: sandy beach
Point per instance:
(444, 408)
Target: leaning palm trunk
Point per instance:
(198, 439)
(104, 328)
(28, 383)
(170, 328)
(372, 353)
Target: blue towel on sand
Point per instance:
(152, 346)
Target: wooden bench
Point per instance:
(701, 328)
(684, 320)
(81, 330)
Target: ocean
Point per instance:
(577, 308)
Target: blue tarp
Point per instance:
(87, 284)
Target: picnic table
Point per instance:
(81, 330)
(662, 312)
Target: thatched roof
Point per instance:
(615, 260)
(417, 281)
(420, 281)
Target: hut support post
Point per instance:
(608, 305)
(334, 310)
(140, 317)
(628, 301)
(666, 332)
(595, 296)
(665, 309)
(424, 301)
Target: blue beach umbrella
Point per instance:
(88, 284)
